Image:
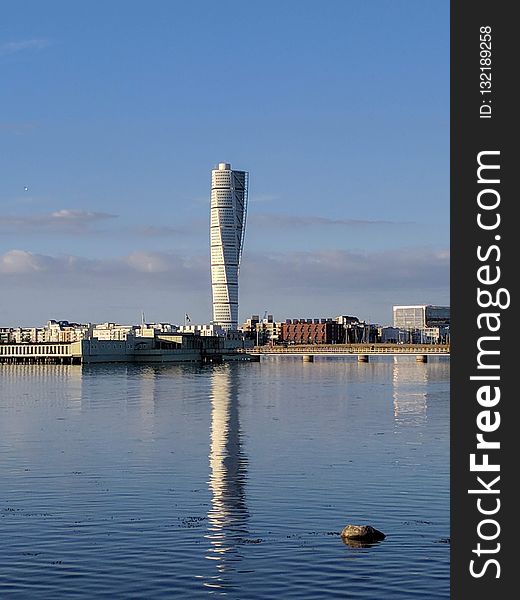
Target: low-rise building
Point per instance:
(6, 335)
(393, 335)
(311, 331)
(114, 331)
(358, 332)
(205, 330)
(63, 331)
(262, 331)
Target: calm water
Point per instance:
(234, 480)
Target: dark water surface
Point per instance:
(124, 481)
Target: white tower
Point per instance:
(227, 229)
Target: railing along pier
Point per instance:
(361, 351)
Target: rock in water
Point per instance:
(362, 533)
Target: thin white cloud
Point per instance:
(149, 262)
(69, 216)
(288, 273)
(348, 271)
(283, 220)
(64, 220)
(68, 221)
(23, 45)
(290, 284)
(159, 231)
(21, 261)
(161, 269)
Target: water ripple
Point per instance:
(163, 482)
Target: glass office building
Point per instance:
(421, 316)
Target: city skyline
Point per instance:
(106, 149)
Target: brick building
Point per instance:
(311, 331)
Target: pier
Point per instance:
(65, 353)
(160, 348)
(362, 351)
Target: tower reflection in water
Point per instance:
(228, 515)
(410, 386)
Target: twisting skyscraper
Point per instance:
(227, 229)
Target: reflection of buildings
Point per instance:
(63, 384)
(410, 384)
(228, 514)
(30, 396)
(148, 397)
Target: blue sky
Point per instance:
(114, 113)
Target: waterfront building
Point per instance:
(311, 331)
(420, 316)
(54, 331)
(63, 331)
(114, 331)
(21, 335)
(152, 329)
(6, 335)
(435, 335)
(248, 328)
(262, 331)
(161, 347)
(356, 331)
(212, 330)
(268, 331)
(423, 323)
(229, 189)
(394, 335)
